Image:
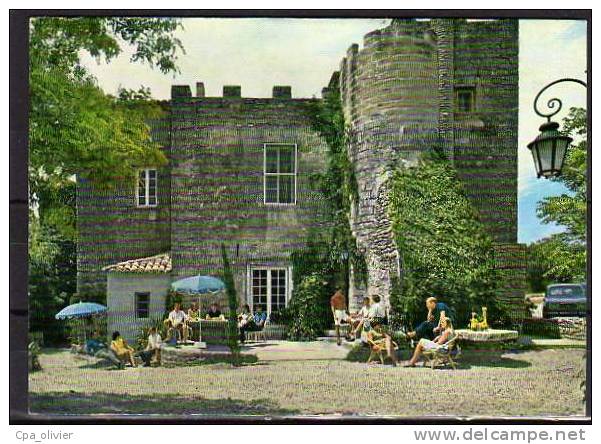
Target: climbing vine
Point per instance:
(446, 250)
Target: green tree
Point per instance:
(445, 249)
(75, 128)
(564, 254)
(232, 298)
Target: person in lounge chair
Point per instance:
(124, 352)
(377, 311)
(379, 339)
(446, 334)
(431, 326)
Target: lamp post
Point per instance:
(550, 147)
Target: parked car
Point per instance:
(565, 300)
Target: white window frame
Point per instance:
(265, 173)
(249, 295)
(146, 203)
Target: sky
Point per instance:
(258, 53)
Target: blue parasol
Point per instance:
(198, 285)
(80, 310)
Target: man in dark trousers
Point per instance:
(430, 327)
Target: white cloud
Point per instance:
(253, 53)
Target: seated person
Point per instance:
(446, 334)
(431, 326)
(176, 322)
(246, 321)
(214, 313)
(377, 312)
(94, 344)
(124, 352)
(255, 322)
(379, 339)
(244, 316)
(193, 313)
(357, 320)
(260, 317)
(153, 348)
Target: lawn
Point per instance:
(488, 383)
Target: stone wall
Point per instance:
(217, 164)
(399, 98)
(121, 301)
(112, 228)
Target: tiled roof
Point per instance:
(161, 263)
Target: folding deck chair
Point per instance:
(446, 354)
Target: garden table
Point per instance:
(215, 331)
(489, 335)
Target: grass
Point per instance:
(487, 383)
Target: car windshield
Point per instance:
(565, 292)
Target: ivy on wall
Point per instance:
(338, 184)
(446, 251)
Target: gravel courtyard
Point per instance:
(488, 383)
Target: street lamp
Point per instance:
(550, 147)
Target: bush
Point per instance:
(309, 308)
(445, 249)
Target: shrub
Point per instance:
(309, 308)
(445, 249)
(232, 323)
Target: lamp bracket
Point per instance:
(554, 102)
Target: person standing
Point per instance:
(339, 311)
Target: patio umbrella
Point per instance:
(198, 285)
(80, 310)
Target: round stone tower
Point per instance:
(390, 96)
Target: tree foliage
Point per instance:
(232, 298)
(563, 255)
(74, 127)
(309, 308)
(52, 273)
(339, 186)
(445, 249)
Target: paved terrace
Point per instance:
(314, 378)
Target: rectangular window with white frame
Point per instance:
(279, 173)
(269, 288)
(147, 188)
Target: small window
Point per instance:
(142, 305)
(464, 99)
(147, 188)
(280, 174)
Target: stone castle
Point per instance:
(240, 170)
